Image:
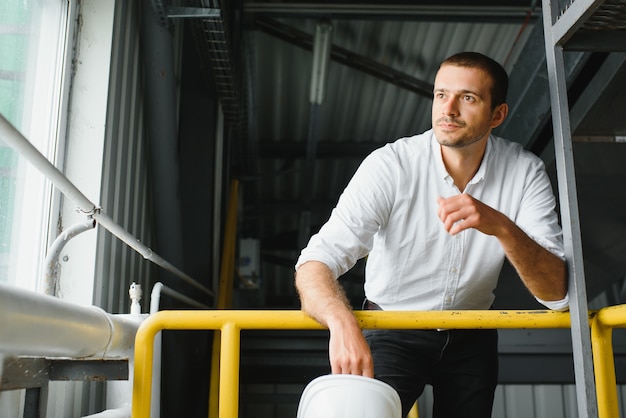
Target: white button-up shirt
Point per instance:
(388, 212)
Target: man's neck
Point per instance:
(463, 163)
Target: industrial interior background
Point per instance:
(203, 92)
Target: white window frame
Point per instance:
(84, 146)
(44, 101)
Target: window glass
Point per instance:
(32, 50)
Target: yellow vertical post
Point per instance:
(604, 364)
(229, 376)
(413, 413)
(214, 379)
(227, 269)
(224, 293)
(142, 373)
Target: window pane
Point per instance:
(32, 38)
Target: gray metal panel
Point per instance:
(125, 194)
(581, 335)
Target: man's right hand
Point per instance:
(323, 299)
(348, 351)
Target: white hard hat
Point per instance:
(349, 396)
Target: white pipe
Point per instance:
(135, 294)
(10, 135)
(119, 392)
(155, 297)
(44, 326)
(155, 405)
(142, 249)
(155, 300)
(48, 286)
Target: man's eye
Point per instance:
(469, 99)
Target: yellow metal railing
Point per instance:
(603, 359)
(225, 294)
(231, 322)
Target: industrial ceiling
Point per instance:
(308, 89)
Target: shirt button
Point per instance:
(453, 270)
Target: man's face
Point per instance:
(461, 113)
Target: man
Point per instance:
(436, 214)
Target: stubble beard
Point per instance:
(467, 139)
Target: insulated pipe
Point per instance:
(44, 326)
(48, 286)
(15, 139)
(119, 392)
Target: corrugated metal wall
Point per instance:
(125, 198)
(125, 188)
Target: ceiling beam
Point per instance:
(358, 62)
(486, 11)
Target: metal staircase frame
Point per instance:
(591, 25)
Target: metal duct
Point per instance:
(41, 325)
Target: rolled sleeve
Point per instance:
(556, 305)
(348, 234)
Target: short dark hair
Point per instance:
(499, 77)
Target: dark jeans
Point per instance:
(461, 366)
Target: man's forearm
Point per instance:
(323, 299)
(321, 295)
(543, 273)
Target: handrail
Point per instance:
(603, 358)
(231, 322)
(15, 139)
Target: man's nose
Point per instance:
(450, 107)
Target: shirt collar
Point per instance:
(441, 168)
(480, 174)
(442, 173)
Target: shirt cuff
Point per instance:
(556, 305)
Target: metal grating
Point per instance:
(216, 46)
(609, 16)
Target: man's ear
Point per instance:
(499, 114)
